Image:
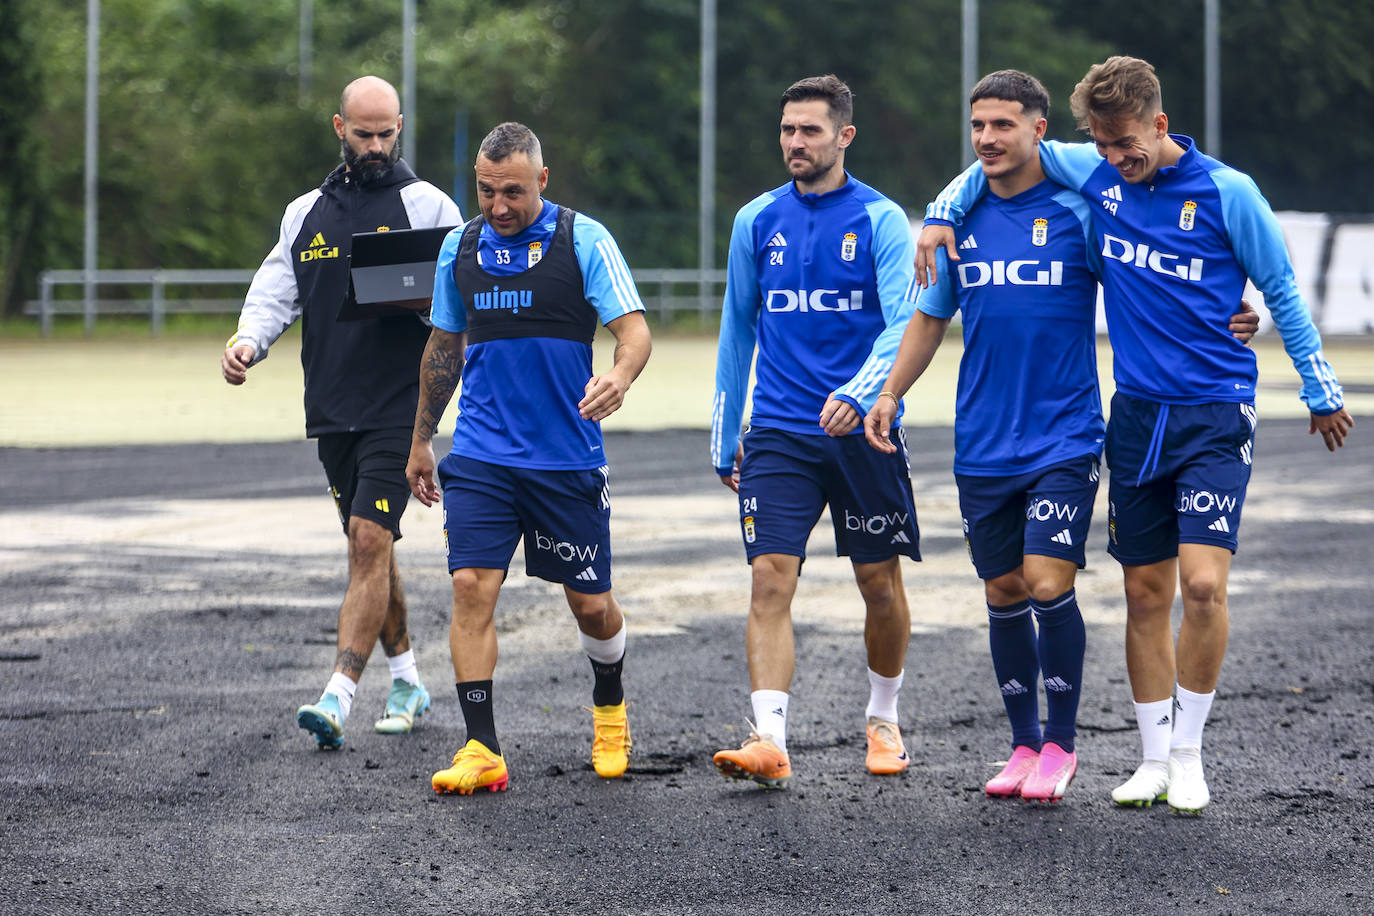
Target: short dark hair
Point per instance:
(1014, 86)
(830, 88)
(1118, 89)
(510, 138)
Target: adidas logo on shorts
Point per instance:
(586, 575)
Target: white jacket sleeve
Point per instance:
(273, 301)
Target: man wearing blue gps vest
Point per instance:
(523, 287)
(816, 277)
(1179, 232)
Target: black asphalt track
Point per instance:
(150, 763)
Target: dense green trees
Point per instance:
(205, 132)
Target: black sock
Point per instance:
(475, 698)
(607, 690)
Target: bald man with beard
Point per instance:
(361, 386)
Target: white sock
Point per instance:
(1190, 716)
(770, 716)
(343, 687)
(403, 667)
(882, 695)
(1155, 721)
(605, 651)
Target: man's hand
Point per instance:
(603, 396)
(927, 244)
(878, 425)
(732, 480)
(1334, 427)
(235, 361)
(839, 418)
(1245, 323)
(420, 472)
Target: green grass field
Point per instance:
(129, 388)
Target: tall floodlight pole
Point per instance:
(88, 260)
(706, 182)
(968, 73)
(1212, 77)
(307, 48)
(408, 81)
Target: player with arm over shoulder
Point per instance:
(518, 294)
(1181, 434)
(1028, 422)
(361, 386)
(817, 272)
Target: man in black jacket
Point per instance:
(361, 386)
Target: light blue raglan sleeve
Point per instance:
(937, 299)
(1257, 241)
(448, 312)
(953, 203)
(1074, 203)
(606, 279)
(894, 254)
(1068, 164)
(739, 323)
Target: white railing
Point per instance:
(666, 293)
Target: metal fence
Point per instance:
(669, 294)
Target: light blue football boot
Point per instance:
(324, 719)
(406, 703)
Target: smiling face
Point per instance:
(508, 192)
(1136, 147)
(1004, 138)
(813, 145)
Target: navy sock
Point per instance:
(1062, 641)
(475, 699)
(607, 690)
(1011, 636)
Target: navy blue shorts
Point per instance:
(564, 517)
(1178, 476)
(1045, 512)
(787, 479)
(367, 475)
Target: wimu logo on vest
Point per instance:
(817, 300)
(506, 299)
(1013, 273)
(1143, 256)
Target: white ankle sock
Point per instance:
(882, 695)
(770, 716)
(343, 687)
(1190, 715)
(1155, 721)
(403, 667)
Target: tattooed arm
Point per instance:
(440, 370)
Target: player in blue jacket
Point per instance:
(518, 294)
(817, 273)
(1179, 233)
